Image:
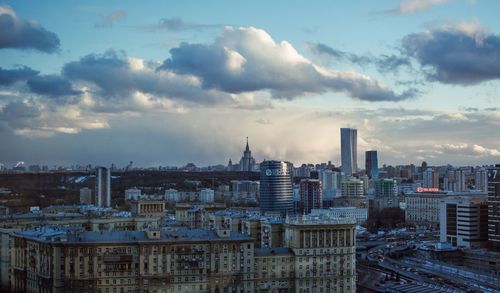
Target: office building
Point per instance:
(276, 193)
(494, 207)
(352, 187)
(172, 195)
(310, 195)
(371, 164)
(422, 208)
(103, 187)
(133, 194)
(348, 150)
(463, 220)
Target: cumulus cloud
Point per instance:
(414, 6)
(248, 59)
(10, 76)
(463, 53)
(117, 76)
(18, 33)
(108, 20)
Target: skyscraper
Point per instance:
(247, 162)
(371, 164)
(103, 187)
(276, 193)
(310, 195)
(348, 150)
(494, 207)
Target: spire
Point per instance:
(247, 147)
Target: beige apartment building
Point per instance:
(318, 255)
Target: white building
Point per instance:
(360, 214)
(463, 220)
(86, 196)
(207, 195)
(133, 193)
(172, 195)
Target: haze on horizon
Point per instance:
(169, 83)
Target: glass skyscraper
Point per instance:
(371, 164)
(348, 150)
(276, 192)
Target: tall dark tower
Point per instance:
(371, 164)
(276, 193)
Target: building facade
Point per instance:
(463, 220)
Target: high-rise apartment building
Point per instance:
(454, 180)
(371, 164)
(310, 195)
(494, 207)
(330, 183)
(430, 178)
(348, 150)
(481, 179)
(386, 188)
(103, 187)
(276, 191)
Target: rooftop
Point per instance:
(182, 236)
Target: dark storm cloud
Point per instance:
(463, 54)
(51, 85)
(108, 20)
(247, 59)
(21, 73)
(17, 33)
(384, 63)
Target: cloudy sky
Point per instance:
(187, 81)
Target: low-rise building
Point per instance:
(359, 214)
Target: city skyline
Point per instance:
(171, 83)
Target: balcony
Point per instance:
(118, 258)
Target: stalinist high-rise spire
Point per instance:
(247, 162)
